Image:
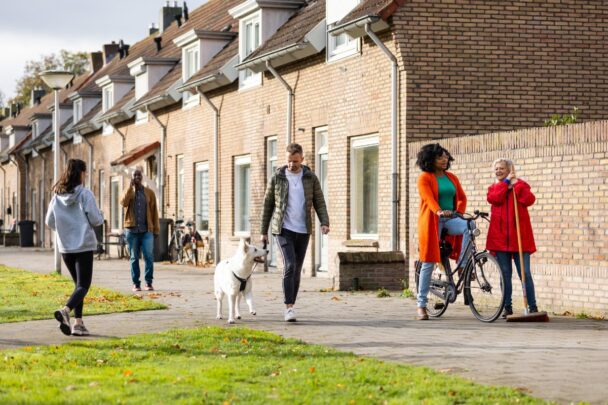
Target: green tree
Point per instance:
(76, 62)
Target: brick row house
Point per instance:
(208, 103)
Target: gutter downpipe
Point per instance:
(289, 100)
(89, 180)
(42, 237)
(216, 172)
(161, 168)
(17, 213)
(394, 136)
(124, 138)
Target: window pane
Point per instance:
(115, 208)
(242, 197)
(180, 187)
(202, 198)
(365, 190)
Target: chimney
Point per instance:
(168, 14)
(36, 96)
(95, 61)
(109, 52)
(5, 112)
(152, 29)
(158, 40)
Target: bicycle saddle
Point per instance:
(179, 221)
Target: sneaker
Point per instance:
(148, 287)
(533, 310)
(290, 315)
(136, 288)
(80, 330)
(506, 312)
(63, 317)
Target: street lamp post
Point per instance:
(56, 80)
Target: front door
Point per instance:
(322, 254)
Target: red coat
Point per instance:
(502, 235)
(428, 221)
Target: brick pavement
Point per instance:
(564, 360)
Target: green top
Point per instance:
(447, 192)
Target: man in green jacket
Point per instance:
(291, 194)
(142, 224)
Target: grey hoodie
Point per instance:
(73, 216)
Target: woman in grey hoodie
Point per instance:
(72, 214)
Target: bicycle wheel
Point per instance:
(172, 252)
(485, 288)
(437, 303)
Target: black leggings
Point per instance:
(80, 266)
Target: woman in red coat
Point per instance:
(440, 196)
(502, 235)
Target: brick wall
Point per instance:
(372, 270)
(567, 170)
(484, 66)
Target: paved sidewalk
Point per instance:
(565, 360)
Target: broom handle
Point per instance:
(521, 253)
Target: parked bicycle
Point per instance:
(481, 279)
(176, 248)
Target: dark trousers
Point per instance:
(293, 248)
(504, 260)
(80, 266)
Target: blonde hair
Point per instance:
(506, 161)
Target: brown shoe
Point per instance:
(422, 314)
(149, 287)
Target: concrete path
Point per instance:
(565, 360)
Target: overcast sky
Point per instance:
(31, 28)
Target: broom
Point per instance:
(527, 316)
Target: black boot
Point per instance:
(507, 311)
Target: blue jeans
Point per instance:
(455, 226)
(144, 243)
(504, 260)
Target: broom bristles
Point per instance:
(533, 317)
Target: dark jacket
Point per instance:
(502, 235)
(276, 197)
(127, 200)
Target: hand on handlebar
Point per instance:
(445, 213)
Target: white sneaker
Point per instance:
(290, 315)
(80, 330)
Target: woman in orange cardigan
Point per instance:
(440, 195)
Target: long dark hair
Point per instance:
(427, 155)
(71, 177)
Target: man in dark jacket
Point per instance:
(142, 224)
(291, 194)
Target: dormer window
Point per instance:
(107, 103)
(77, 110)
(342, 45)
(251, 39)
(191, 65)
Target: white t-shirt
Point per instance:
(295, 214)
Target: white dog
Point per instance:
(233, 278)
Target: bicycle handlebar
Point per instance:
(468, 217)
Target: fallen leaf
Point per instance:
(312, 369)
(335, 298)
(127, 373)
(93, 384)
(340, 385)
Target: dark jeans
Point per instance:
(144, 243)
(80, 266)
(504, 260)
(293, 248)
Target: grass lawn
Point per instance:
(226, 366)
(26, 296)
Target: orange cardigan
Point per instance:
(428, 221)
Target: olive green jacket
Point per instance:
(275, 200)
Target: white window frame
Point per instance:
(179, 186)
(240, 200)
(336, 52)
(107, 103)
(357, 143)
(248, 44)
(271, 165)
(201, 194)
(192, 60)
(115, 208)
(35, 129)
(77, 110)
